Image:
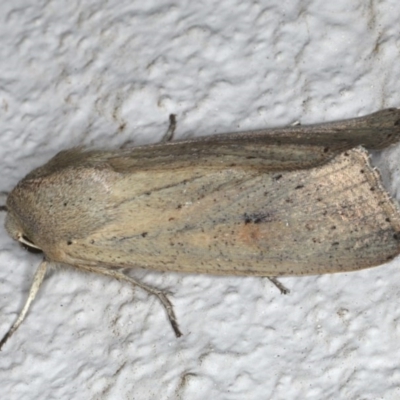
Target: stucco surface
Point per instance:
(106, 74)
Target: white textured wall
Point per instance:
(108, 72)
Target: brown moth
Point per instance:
(290, 201)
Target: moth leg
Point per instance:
(158, 293)
(282, 288)
(168, 136)
(37, 281)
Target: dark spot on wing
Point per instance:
(257, 218)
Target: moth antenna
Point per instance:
(158, 293)
(37, 281)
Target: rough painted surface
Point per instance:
(108, 74)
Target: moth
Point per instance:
(289, 201)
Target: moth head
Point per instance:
(17, 232)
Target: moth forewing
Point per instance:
(278, 149)
(336, 217)
(290, 201)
